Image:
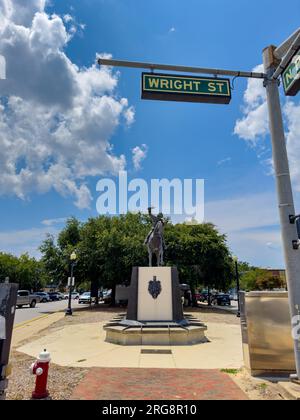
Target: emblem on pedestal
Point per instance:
(154, 287)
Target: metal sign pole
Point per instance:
(284, 192)
(8, 299)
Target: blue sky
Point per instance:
(182, 140)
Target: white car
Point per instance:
(74, 295)
(44, 297)
(85, 298)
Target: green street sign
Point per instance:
(165, 87)
(291, 76)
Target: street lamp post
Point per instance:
(73, 257)
(237, 279)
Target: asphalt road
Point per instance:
(25, 313)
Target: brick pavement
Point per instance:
(156, 384)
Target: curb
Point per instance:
(290, 391)
(21, 324)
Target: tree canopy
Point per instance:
(108, 247)
(25, 270)
(261, 279)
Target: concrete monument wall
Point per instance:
(160, 308)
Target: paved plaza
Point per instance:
(157, 384)
(83, 345)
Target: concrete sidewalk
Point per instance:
(27, 329)
(83, 345)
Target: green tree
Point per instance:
(56, 256)
(25, 270)
(52, 261)
(30, 275)
(120, 247)
(69, 237)
(260, 279)
(8, 267)
(201, 254)
(108, 248)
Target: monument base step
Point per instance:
(155, 333)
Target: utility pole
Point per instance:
(284, 190)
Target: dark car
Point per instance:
(203, 296)
(221, 299)
(54, 296)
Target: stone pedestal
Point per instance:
(155, 315)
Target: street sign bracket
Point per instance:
(179, 69)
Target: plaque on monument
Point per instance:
(154, 287)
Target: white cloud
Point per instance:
(68, 18)
(245, 212)
(262, 243)
(292, 114)
(172, 29)
(222, 161)
(253, 127)
(57, 119)
(260, 247)
(18, 242)
(20, 12)
(129, 114)
(51, 222)
(2, 68)
(254, 123)
(72, 24)
(138, 155)
(251, 224)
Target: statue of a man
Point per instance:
(155, 220)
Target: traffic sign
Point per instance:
(291, 76)
(166, 87)
(71, 283)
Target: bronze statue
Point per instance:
(155, 238)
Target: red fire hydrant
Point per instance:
(40, 368)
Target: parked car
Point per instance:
(197, 296)
(54, 296)
(60, 296)
(107, 296)
(86, 298)
(221, 299)
(203, 297)
(74, 295)
(24, 297)
(44, 297)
